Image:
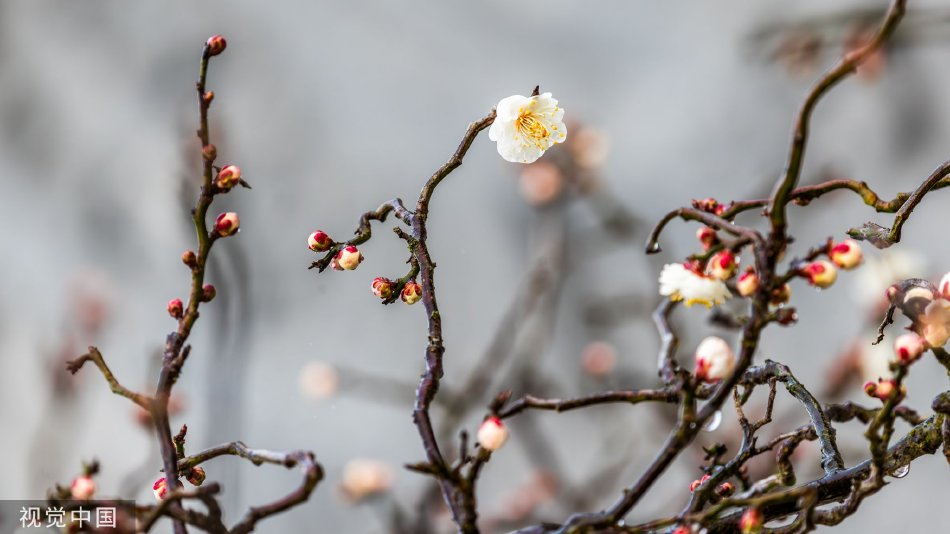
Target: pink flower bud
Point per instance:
(751, 521)
(188, 258)
(540, 183)
(820, 273)
(319, 241)
(846, 254)
(411, 293)
(748, 282)
(176, 309)
(216, 44)
(908, 348)
(349, 258)
(722, 265)
(208, 96)
(492, 434)
(382, 287)
(944, 286)
(196, 475)
(227, 224)
(697, 483)
(160, 489)
(714, 359)
(208, 292)
(870, 388)
(228, 177)
(83, 487)
(707, 236)
(683, 529)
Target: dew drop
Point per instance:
(901, 471)
(653, 248)
(713, 422)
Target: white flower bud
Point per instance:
(492, 434)
(721, 265)
(714, 359)
(748, 283)
(349, 258)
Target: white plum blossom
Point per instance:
(680, 283)
(525, 127)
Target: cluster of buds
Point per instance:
(709, 205)
(492, 434)
(228, 177)
(83, 487)
(884, 388)
(714, 359)
(176, 308)
(926, 305)
(751, 521)
(319, 241)
(844, 255)
(348, 258)
(160, 489)
(411, 293)
(382, 287)
(227, 224)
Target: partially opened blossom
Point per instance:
(944, 286)
(908, 347)
(680, 283)
(935, 323)
(525, 127)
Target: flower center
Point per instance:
(531, 127)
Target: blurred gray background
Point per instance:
(332, 107)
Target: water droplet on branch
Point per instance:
(713, 423)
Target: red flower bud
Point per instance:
(227, 224)
(846, 254)
(707, 236)
(208, 292)
(820, 273)
(748, 282)
(722, 265)
(725, 489)
(411, 293)
(382, 287)
(176, 309)
(160, 489)
(319, 241)
(216, 44)
(228, 177)
(349, 258)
